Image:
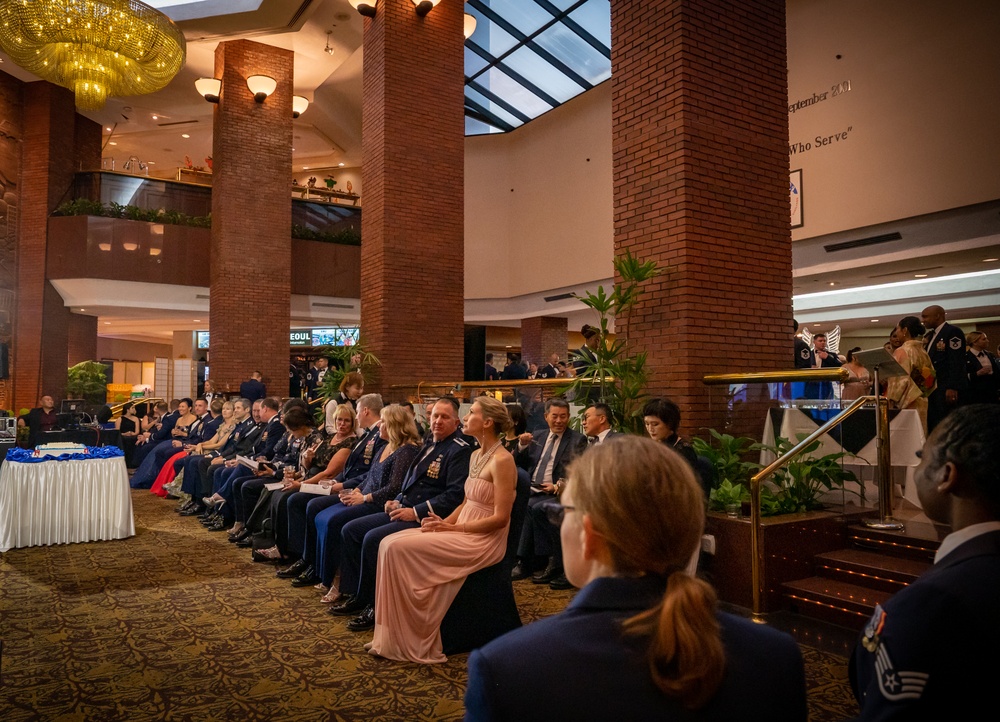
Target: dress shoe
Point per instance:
(194, 510)
(560, 582)
(243, 534)
(363, 622)
(266, 555)
(348, 608)
(293, 571)
(341, 599)
(246, 542)
(518, 572)
(306, 579)
(219, 525)
(545, 576)
(185, 507)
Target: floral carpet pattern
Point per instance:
(175, 623)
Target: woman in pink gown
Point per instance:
(420, 571)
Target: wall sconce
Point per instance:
(299, 105)
(364, 7)
(261, 86)
(425, 6)
(156, 239)
(104, 245)
(469, 26)
(130, 245)
(210, 88)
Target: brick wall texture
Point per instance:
(700, 159)
(250, 296)
(81, 339)
(413, 145)
(541, 337)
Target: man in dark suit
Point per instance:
(545, 455)
(314, 379)
(925, 653)
(822, 359)
(803, 357)
(253, 388)
(983, 371)
(150, 466)
(945, 344)
(548, 371)
(491, 371)
(435, 482)
(161, 431)
(41, 419)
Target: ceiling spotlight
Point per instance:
(341, 165)
(990, 260)
(261, 86)
(209, 88)
(328, 50)
(920, 275)
(156, 117)
(185, 135)
(425, 6)
(874, 320)
(469, 26)
(364, 7)
(299, 105)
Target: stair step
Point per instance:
(872, 569)
(917, 541)
(832, 600)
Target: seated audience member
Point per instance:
(983, 371)
(41, 419)
(223, 423)
(662, 418)
(330, 458)
(519, 424)
(434, 483)
(924, 654)
(545, 455)
(597, 424)
(381, 483)
(191, 428)
(303, 508)
(352, 386)
(633, 515)
(162, 430)
(421, 570)
(912, 390)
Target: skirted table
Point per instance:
(74, 497)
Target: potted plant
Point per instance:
(87, 380)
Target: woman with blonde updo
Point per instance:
(631, 518)
(420, 571)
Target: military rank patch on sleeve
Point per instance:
(894, 684)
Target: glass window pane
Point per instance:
(492, 38)
(525, 15)
(481, 100)
(473, 63)
(477, 127)
(513, 93)
(564, 4)
(595, 18)
(574, 52)
(526, 62)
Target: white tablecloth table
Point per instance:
(906, 438)
(59, 502)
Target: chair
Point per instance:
(485, 608)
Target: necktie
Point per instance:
(543, 463)
(591, 440)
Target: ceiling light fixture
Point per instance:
(328, 50)
(185, 135)
(425, 6)
(299, 105)
(874, 320)
(364, 7)
(209, 88)
(261, 86)
(469, 26)
(990, 260)
(920, 275)
(340, 165)
(95, 48)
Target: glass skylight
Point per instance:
(528, 56)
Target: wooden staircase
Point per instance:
(848, 583)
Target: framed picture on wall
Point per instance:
(795, 195)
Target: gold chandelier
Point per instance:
(96, 48)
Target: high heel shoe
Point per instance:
(331, 596)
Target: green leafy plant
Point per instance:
(342, 360)
(799, 485)
(727, 454)
(727, 493)
(87, 380)
(616, 371)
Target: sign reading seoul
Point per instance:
(339, 336)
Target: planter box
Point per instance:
(789, 543)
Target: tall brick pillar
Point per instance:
(41, 321)
(82, 336)
(542, 336)
(251, 254)
(700, 153)
(412, 282)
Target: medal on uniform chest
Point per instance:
(872, 634)
(939, 345)
(369, 450)
(434, 470)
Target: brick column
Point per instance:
(699, 140)
(412, 228)
(82, 338)
(40, 326)
(250, 288)
(542, 336)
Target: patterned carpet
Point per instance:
(176, 623)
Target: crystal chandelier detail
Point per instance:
(96, 48)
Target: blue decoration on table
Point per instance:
(27, 456)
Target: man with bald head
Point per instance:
(945, 345)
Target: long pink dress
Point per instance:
(419, 574)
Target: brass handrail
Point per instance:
(767, 377)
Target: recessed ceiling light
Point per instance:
(108, 129)
(340, 164)
(107, 323)
(83, 309)
(305, 167)
(990, 260)
(817, 324)
(196, 320)
(185, 135)
(920, 275)
(832, 283)
(150, 162)
(874, 320)
(111, 142)
(156, 117)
